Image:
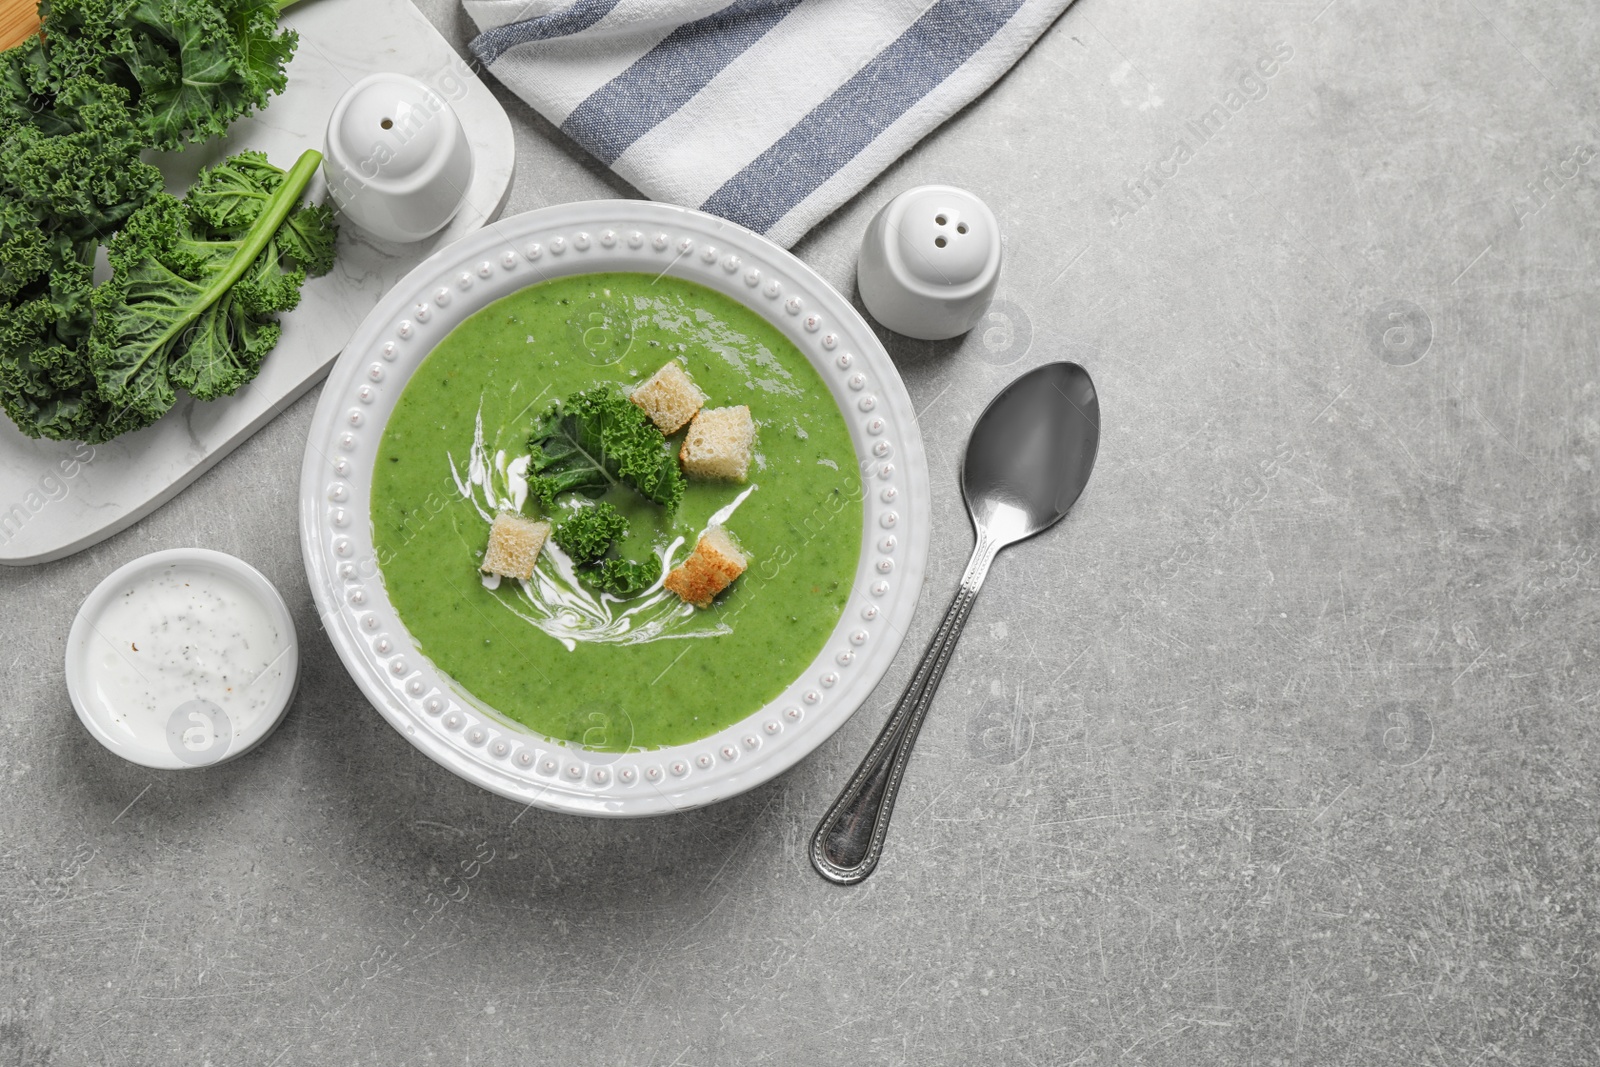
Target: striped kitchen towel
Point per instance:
(771, 113)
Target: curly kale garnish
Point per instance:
(589, 532)
(591, 442)
(587, 535)
(623, 577)
(595, 440)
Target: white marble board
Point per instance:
(57, 497)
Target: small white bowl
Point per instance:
(173, 705)
(397, 161)
(930, 262)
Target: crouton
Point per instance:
(514, 544)
(718, 444)
(669, 397)
(713, 565)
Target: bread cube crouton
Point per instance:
(713, 565)
(514, 544)
(669, 397)
(717, 447)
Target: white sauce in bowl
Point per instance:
(182, 658)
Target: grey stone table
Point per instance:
(1281, 750)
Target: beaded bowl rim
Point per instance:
(439, 716)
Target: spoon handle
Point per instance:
(849, 839)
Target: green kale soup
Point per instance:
(553, 653)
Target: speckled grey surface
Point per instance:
(1279, 751)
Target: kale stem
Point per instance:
(283, 5)
(284, 199)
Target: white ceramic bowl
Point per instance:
(213, 735)
(459, 731)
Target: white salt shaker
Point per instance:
(397, 161)
(930, 262)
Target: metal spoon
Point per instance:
(1028, 459)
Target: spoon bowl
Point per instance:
(1027, 462)
(1032, 451)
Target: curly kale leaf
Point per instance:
(307, 237)
(190, 306)
(193, 66)
(230, 195)
(61, 195)
(25, 250)
(26, 86)
(587, 535)
(623, 578)
(597, 439)
(104, 81)
(589, 443)
(85, 180)
(45, 384)
(589, 532)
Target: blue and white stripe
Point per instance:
(771, 113)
